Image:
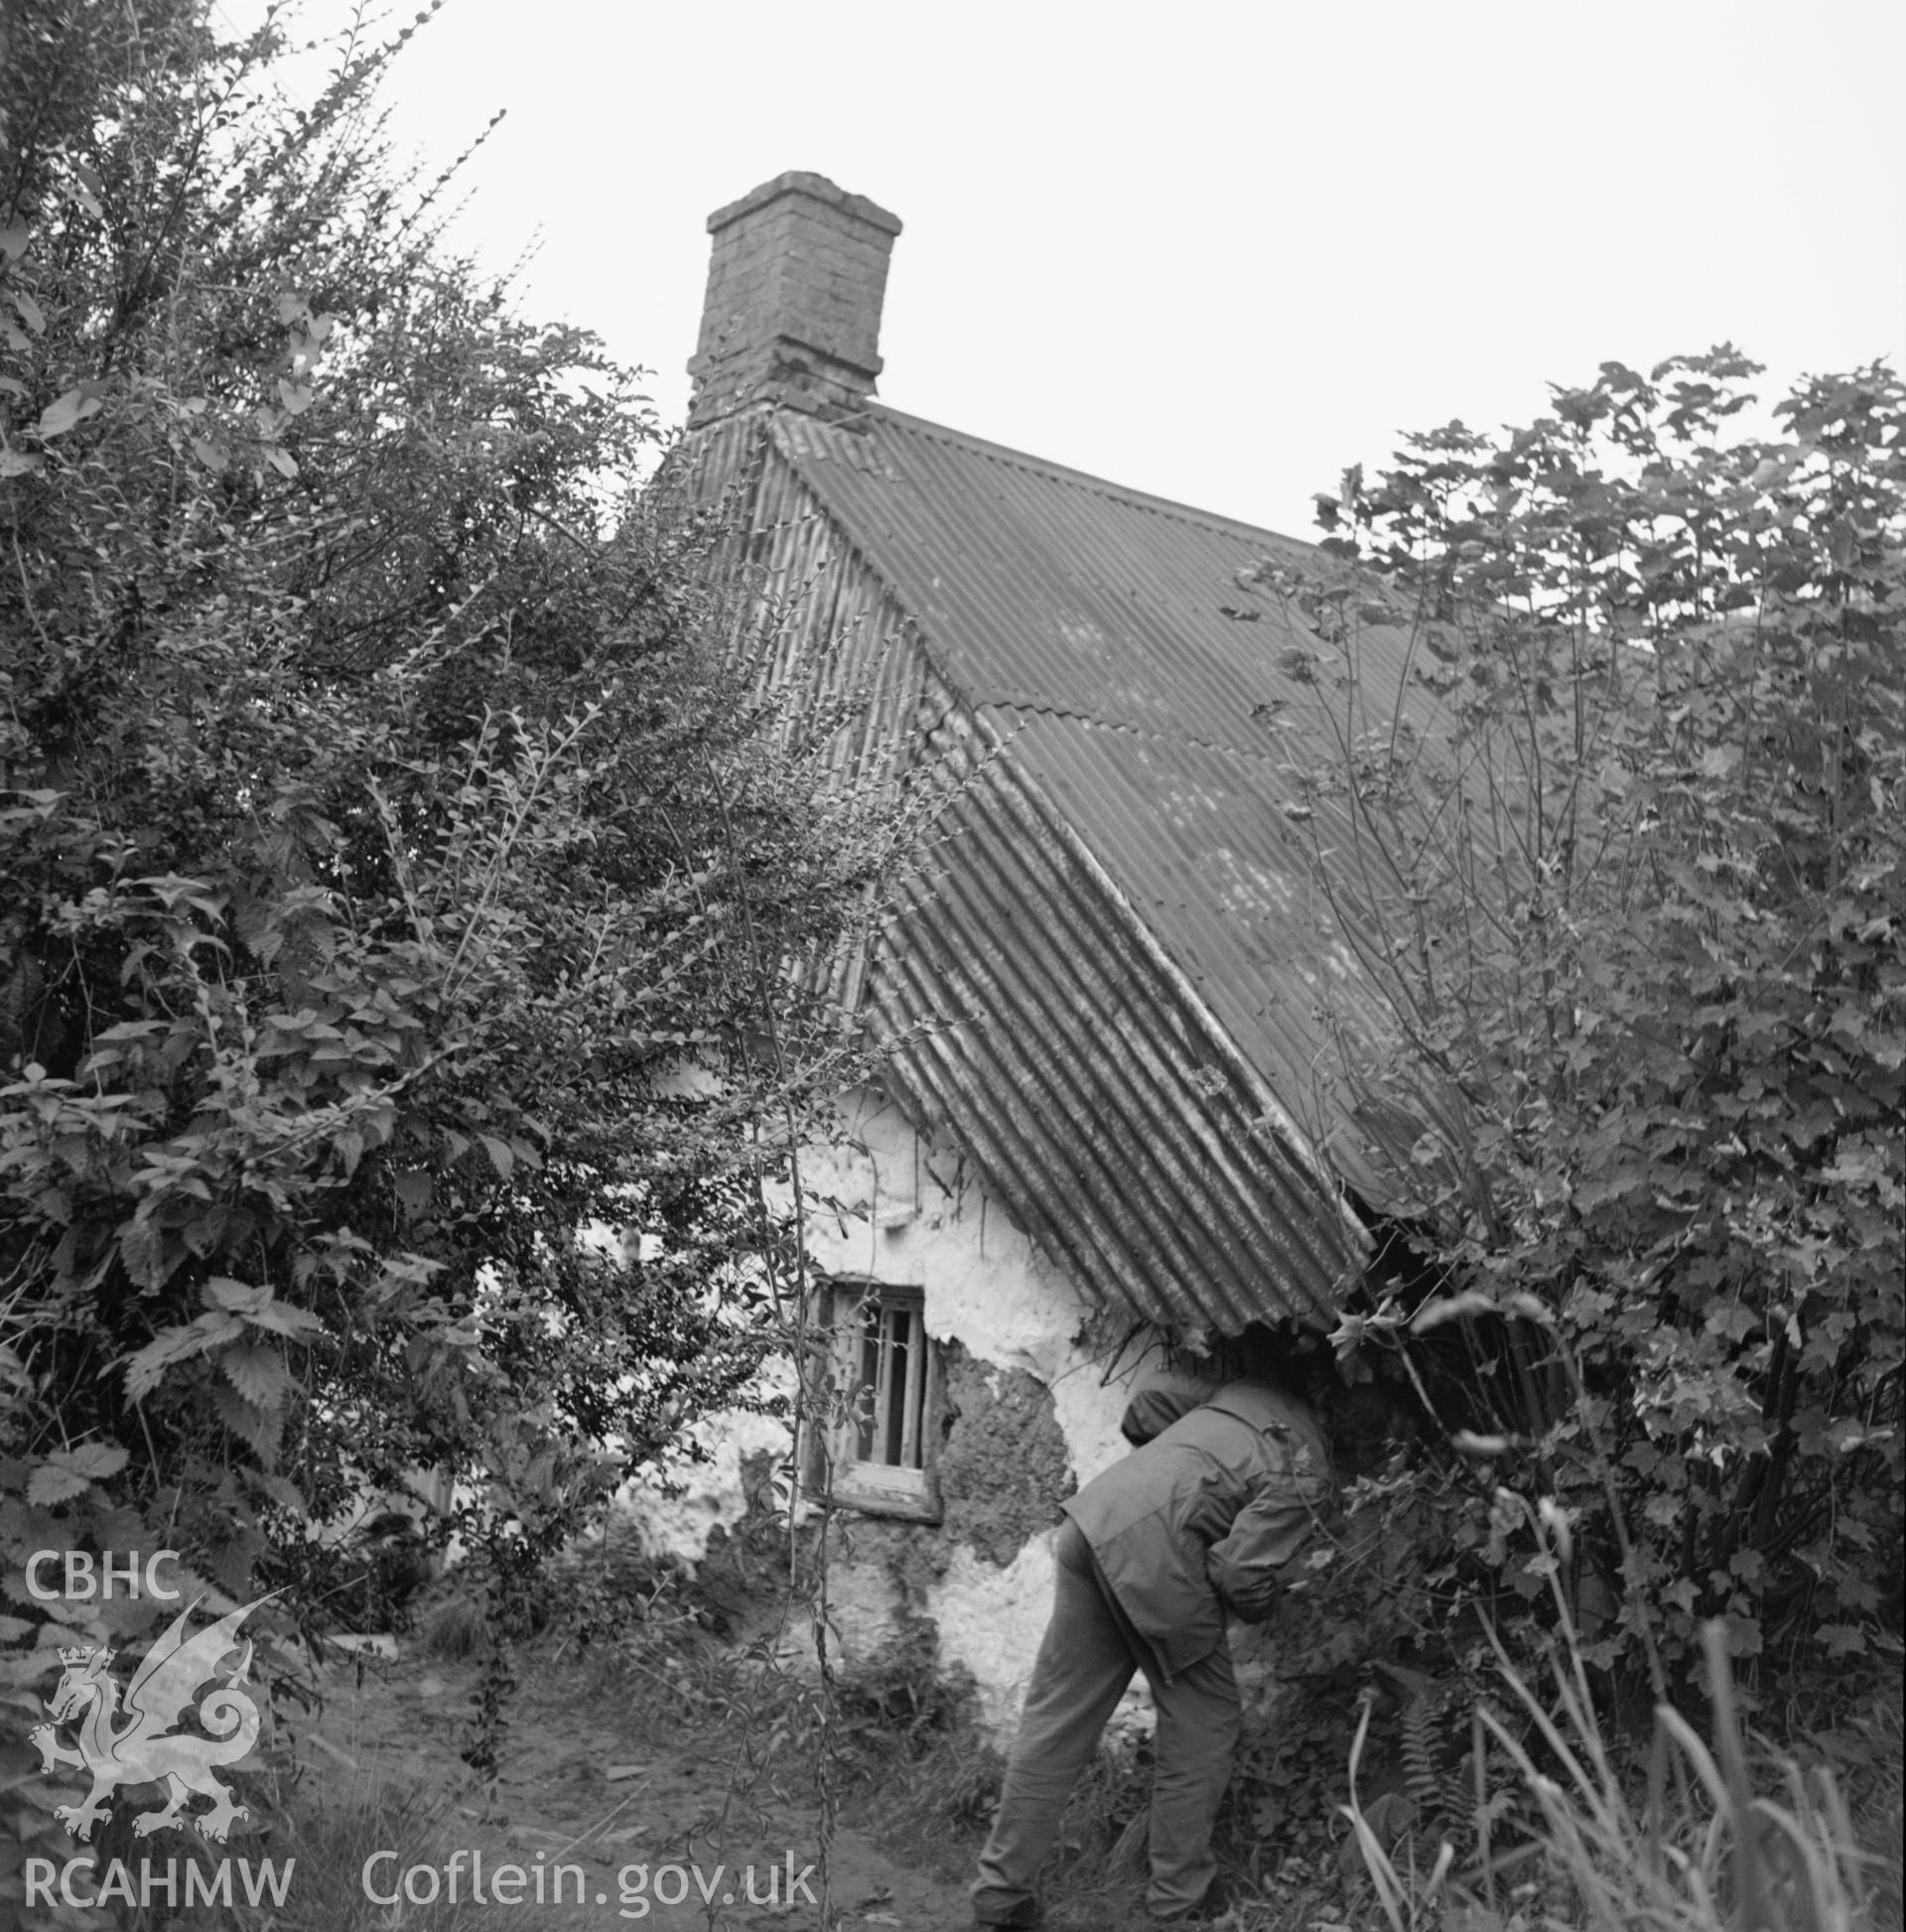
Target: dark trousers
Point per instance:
(1084, 1664)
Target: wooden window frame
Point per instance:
(908, 1485)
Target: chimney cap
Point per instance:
(797, 181)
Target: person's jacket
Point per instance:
(1206, 1514)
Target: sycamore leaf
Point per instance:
(29, 311)
(16, 462)
(13, 239)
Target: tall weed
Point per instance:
(1727, 1833)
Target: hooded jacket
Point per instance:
(1207, 1514)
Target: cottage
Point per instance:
(1126, 1141)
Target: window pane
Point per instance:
(894, 1379)
(886, 1364)
(913, 1438)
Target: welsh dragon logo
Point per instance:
(150, 1746)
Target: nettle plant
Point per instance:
(1624, 865)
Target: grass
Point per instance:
(331, 1833)
(1721, 1835)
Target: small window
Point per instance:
(886, 1400)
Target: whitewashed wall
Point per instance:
(885, 1206)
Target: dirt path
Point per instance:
(628, 1807)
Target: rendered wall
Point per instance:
(1033, 1410)
(1034, 1413)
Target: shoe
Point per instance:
(1017, 1918)
(1218, 1900)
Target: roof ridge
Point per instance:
(1094, 485)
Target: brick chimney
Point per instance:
(792, 316)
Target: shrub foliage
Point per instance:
(395, 876)
(1623, 861)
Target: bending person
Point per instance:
(1202, 1518)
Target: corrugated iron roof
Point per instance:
(1053, 590)
(1118, 1124)
(1145, 976)
(1160, 696)
(1198, 839)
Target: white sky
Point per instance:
(1217, 253)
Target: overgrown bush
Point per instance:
(398, 866)
(1614, 827)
